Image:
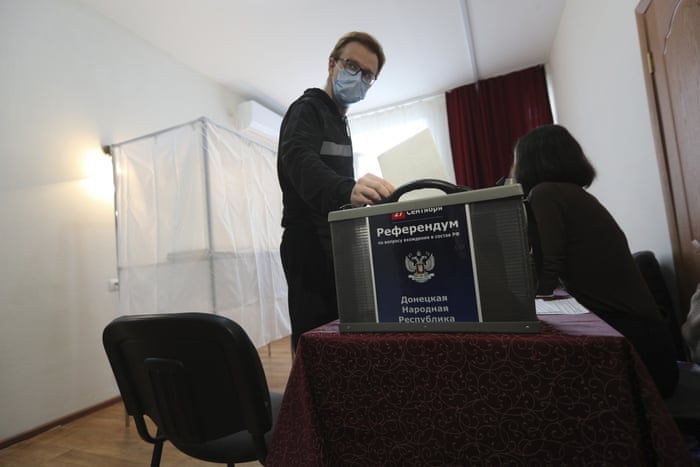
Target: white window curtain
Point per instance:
(375, 132)
(198, 212)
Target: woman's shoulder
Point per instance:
(547, 189)
(561, 196)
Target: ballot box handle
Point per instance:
(423, 183)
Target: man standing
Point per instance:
(315, 171)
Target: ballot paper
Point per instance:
(413, 159)
(559, 306)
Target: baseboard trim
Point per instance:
(61, 421)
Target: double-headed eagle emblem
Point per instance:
(419, 265)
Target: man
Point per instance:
(315, 170)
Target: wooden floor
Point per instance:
(103, 439)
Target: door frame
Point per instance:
(669, 168)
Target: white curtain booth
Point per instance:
(198, 211)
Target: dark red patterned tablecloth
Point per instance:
(575, 394)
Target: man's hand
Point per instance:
(369, 189)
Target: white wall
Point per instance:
(597, 75)
(70, 82)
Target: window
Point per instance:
(375, 132)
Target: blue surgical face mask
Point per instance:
(349, 88)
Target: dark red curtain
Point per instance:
(487, 118)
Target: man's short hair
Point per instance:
(363, 38)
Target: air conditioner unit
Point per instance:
(257, 122)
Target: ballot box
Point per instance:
(455, 262)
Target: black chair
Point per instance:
(199, 378)
(683, 404)
(651, 272)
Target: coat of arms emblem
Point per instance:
(419, 265)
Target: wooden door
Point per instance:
(669, 32)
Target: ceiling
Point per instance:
(271, 50)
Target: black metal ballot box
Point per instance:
(457, 262)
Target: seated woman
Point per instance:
(578, 245)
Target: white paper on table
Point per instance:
(559, 306)
(413, 159)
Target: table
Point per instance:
(575, 394)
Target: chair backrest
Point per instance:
(196, 375)
(651, 272)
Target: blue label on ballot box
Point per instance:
(423, 266)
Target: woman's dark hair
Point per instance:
(550, 153)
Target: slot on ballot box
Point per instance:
(455, 262)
